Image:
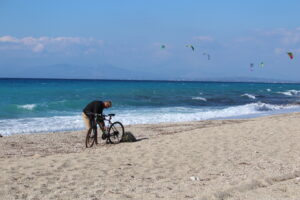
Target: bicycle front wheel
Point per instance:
(91, 137)
(115, 132)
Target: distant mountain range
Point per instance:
(67, 71)
(246, 79)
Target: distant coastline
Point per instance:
(227, 80)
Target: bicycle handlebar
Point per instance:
(101, 115)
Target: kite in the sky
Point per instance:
(262, 64)
(206, 54)
(163, 46)
(190, 46)
(251, 66)
(290, 54)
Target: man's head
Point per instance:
(107, 104)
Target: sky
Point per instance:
(122, 39)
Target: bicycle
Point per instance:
(113, 133)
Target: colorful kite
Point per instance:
(251, 67)
(262, 64)
(290, 54)
(206, 54)
(190, 46)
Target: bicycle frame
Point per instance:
(99, 118)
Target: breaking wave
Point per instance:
(250, 96)
(27, 106)
(291, 92)
(200, 98)
(143, 116)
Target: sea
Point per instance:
(53, 105)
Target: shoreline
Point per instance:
(246, 117)
(247, 159)
(241, 117)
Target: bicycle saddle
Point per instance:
(111, 115)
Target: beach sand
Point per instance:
(218, 159)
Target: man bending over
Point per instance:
(95, 107)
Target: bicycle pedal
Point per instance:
(104, 136)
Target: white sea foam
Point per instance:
(290, 92)
(27, 106)
(269, 90)
(37, 125)
(199, 98)
(169, 115)
(250, 96)
(142, 116)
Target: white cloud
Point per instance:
(292, 39)
(245, 39)
(8, 38)
(285, 36)
(204, 38)
(38, 44)
(38, 48)
(278, 51)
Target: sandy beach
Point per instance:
(219, 159)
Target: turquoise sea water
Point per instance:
(44, 105)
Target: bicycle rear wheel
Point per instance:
(91, 137)
(115, 132)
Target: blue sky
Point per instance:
(127, 35)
